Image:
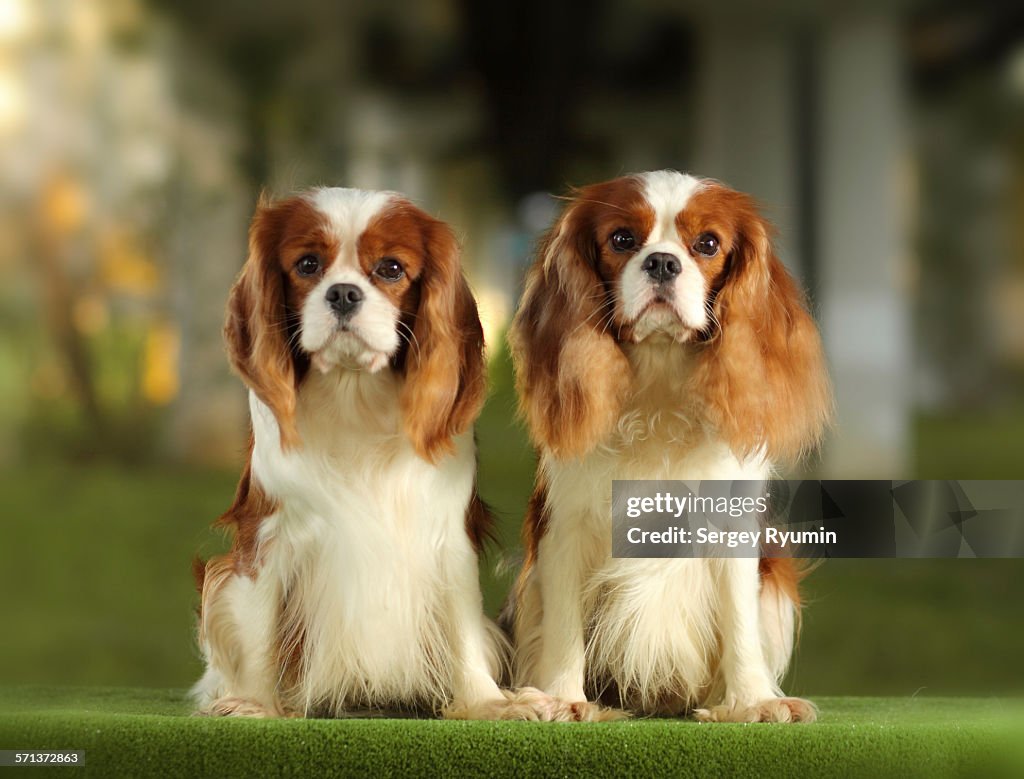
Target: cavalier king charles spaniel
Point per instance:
(352, 582)
(659, 337)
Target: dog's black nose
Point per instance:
(344, 298)
(661, 266)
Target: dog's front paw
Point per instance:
(552, 709)
(231, 706)
(505, 708)
(769, 710)
(529, 703)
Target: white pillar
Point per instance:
(864, 245)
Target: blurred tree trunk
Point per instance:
(58, 304)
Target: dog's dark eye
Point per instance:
(623, 241)
(706, 245)
(307, 265)
(389, 269)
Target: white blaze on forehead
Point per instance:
(668, 192)
(349, 212)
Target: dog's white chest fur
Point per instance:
(652, 623)
(358, 545)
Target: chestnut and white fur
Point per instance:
(352, 583)
(659, 337)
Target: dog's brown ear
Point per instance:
(445, 382)
(762, 374)
(571, 375)
(258, 328)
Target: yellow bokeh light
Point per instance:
(125, 268)
(160, 380)
(494, 314)
(65, 204)
(15, 19)
(12, 102)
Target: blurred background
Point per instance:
(885, 140)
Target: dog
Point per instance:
(352, 583)
(659, 337)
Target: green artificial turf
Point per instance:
(138, 732)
